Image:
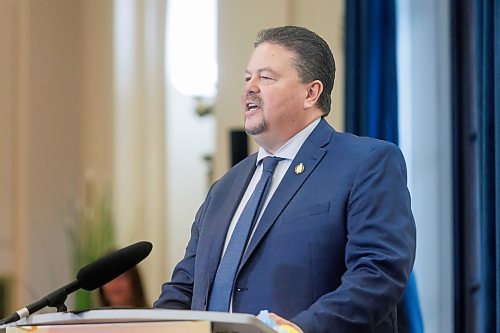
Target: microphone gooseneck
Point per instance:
(89, 277)
(54, 299)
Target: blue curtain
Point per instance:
(372, 99)
(476, 114)
(487, 78)
(466, 231)
(371, 82)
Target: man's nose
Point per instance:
(251, 86)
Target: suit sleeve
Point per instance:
(178, 293)
(380, 249)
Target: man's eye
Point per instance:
(266, 77)
(247, 78)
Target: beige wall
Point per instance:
(97, 87)
(42, 106)
(238, 23)
(8, 64)
(60, 119)
(56, 121)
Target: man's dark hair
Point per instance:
(313, 57)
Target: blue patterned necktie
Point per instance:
(226, 272)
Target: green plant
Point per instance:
(91, 234)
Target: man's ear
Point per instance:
(314, 90)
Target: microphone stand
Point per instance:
(88, 278)
(55, 299)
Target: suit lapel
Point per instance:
(310, 154)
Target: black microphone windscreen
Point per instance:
(105, 269)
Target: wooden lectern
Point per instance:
(139, 320)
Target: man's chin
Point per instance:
(255, 129)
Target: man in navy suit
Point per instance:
(334, 244)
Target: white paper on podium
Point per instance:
(221, 322)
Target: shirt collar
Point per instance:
(292, 146)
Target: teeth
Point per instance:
(252, 106)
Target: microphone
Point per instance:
(111, 266)
(89, 277)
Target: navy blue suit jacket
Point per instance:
(333, 250)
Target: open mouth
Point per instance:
(251, 106)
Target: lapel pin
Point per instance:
(299, 168)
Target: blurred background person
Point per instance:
(125, 291)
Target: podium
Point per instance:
(139, 320)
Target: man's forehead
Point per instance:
(270, 57)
